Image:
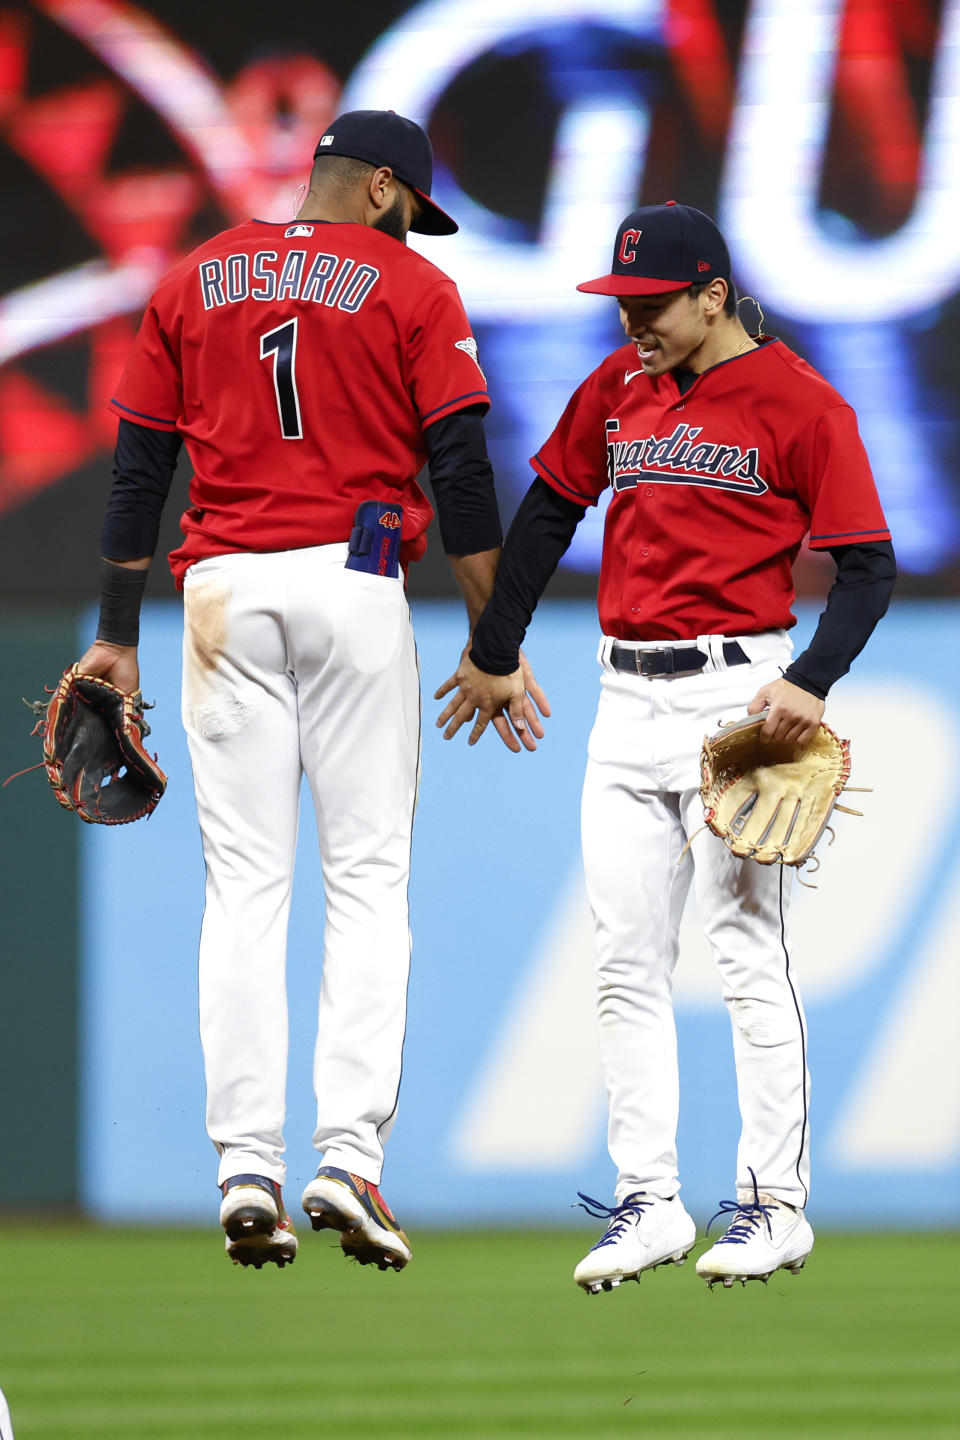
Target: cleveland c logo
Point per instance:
(627, 254)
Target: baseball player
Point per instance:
(6, 1424)
(722, 452)
(312, 368)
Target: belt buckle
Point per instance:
(648, 659)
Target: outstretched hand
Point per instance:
(794, 712)
(512, 702)
(116, 663)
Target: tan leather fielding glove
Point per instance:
(770, 801)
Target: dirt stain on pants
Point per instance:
(213, 705)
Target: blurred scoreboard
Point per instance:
(823, 134)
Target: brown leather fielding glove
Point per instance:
(93, 750)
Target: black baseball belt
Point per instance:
(671, 659)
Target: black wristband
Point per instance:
(121, 591)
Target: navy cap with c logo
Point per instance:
(382, 137)
(661, 248)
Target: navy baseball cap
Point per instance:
(382, 137)
(661, 248)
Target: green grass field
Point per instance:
(127, 1334)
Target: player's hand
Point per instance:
(116, 663)
(794, 713)
(510, 701)
(534, 699)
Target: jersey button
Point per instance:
(644, 550)
(649, 492)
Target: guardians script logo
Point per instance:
(682, 459)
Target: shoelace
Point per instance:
(748, 1217)
(619, 1215)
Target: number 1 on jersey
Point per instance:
(281, 343)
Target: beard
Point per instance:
(392, 221)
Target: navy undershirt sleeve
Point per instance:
(858, 598)
(143, 466)
(537, 539)
(461, 478)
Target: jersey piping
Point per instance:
(457, 403)
(548, 474)
(150, 419)
(850, 535)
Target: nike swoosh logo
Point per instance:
(629, 374)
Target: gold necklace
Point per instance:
(749, 341)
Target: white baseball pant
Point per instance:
(641, 804)
(295, 665)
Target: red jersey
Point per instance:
(713, 489)
(301, 362)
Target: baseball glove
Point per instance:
(93, 751)
(770, 801)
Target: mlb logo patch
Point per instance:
(297, 230)
(327, 140)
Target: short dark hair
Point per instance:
(729, 304)
(338, 172)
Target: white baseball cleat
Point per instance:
(764, 1235)
(256, 1222)
(644, 1231)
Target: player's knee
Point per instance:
(760, 1022)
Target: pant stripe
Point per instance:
(803, 1041)
(413, 811)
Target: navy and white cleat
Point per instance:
(339, 1200)
(763, 1236)
(645, 1231)
(257, 1226)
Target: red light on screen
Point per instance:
(699, 53)
(246, 146)
(874, 97)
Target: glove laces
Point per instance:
(629, 1211)
(748, 1215)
